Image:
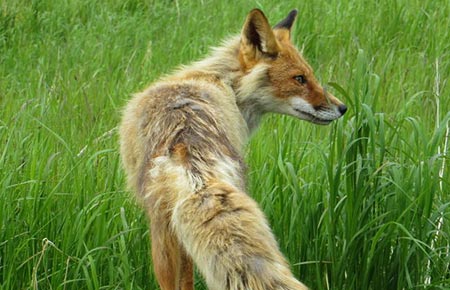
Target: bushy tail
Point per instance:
(230, 241)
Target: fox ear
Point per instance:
(283, 29)
(257, 38)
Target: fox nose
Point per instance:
(342, 109)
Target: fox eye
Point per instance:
(301, 79)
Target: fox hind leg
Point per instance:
(186, 272)
(173, 267)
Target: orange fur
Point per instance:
(182, 143)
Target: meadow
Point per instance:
(363, 203)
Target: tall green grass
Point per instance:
(361, 204)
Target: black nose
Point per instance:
(342, 109)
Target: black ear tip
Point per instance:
(293, 13)
(288, 21)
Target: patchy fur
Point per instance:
(182, 143)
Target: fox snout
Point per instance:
(328, 110)
(335, 103)
(321, 114)
(342, 108)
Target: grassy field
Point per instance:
(360, 204)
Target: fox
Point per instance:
(182, 144)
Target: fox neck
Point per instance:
(248, 89)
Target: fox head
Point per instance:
(287, 84)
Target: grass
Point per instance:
(361, 204)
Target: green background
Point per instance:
(360, 204)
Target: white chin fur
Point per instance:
(304, 110)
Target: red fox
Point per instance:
(182, 143)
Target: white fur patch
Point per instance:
(300, 105)
(305, 111)
(228, 170)
(171, 173)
